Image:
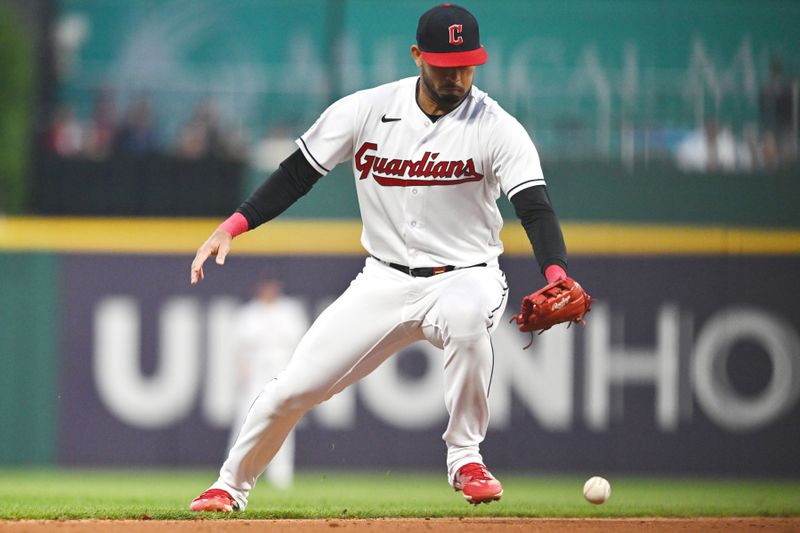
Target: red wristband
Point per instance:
(236, 224)
(553, 273)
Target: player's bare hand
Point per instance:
(218, 244)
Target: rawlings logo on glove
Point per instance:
(564, 300)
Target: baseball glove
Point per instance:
(563, 300)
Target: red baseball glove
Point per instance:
(563, 300)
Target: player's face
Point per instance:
(447, 85)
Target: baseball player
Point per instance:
(266, 332)
(430, 156)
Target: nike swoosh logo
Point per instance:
(384, 119)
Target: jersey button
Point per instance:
(413, 223)
(414, 191)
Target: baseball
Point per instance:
(596, 490)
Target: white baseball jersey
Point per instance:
(427, 190)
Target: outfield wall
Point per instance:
(598, 192)
(690, 361)
(588, 191)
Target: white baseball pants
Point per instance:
(382, 311)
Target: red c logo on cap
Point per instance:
(455, 29)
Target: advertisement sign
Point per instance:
(686, 365)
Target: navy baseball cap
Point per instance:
(448, 37)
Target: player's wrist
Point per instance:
(554, 273)
(236, 224)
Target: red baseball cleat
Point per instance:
(214, 500)
(477, 483)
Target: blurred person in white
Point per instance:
(710, 148)
(276, 145)
(752, 152)
(266, 155)
(267, 330)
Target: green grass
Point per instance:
(165, 494)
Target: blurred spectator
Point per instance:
(137, 135)
(708, 149)
(65, 135)
(276, 145)
(237, 145)
(204, 136)
(266, 332)
(102, 127)
(751, 154)
(769, 150)
(777, 105)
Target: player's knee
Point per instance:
(298, 398)
(463, 317)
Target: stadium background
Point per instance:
(691, 359)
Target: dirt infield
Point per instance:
(445, 525)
